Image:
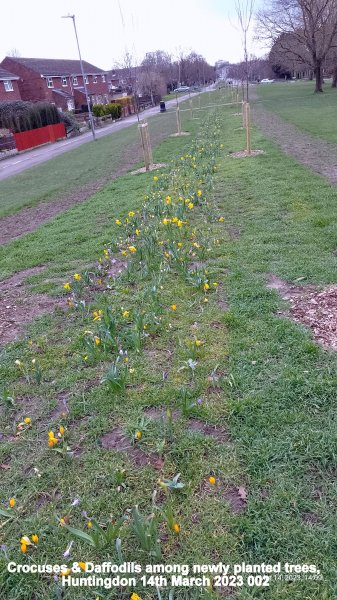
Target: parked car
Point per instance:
(182, 88)
(267, 81)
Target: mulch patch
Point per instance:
(219, 433)
(18, 308)
(312, 306)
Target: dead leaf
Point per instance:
(242, 493)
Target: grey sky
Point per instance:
(108, 27)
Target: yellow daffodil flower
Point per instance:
(27, 420)
(77, 276)
(118, 222)
(126, 313)
(89, 524)
(135, 596)
(97, 314)
(62, 430)
(190, 205)
(212, 480)
(198, 343)
(206, 286)
(176, 527)
(67, 286)
(168, 199)
(155, 178)
(12, 502)
(173, 307)
(97, 340)
(35, 538)
(199, 193)
(82, 566)
(180, 223)
(132, 249)
(131, 213)
(138, 435)
(221, 219)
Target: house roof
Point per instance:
(57, 67)
(7, 75)
(62, 93)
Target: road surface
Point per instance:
(20, 162)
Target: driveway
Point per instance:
(20, 162)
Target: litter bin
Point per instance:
(162, 106)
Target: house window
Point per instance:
(75, 81)
(50, 83)
(94, 79)
(8, 85)
(64, 81)
(103, 78)
(86, 79)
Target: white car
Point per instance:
(267, 81)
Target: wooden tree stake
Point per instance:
(248, 138)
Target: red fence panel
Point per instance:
(42, 135)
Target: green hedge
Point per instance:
(112, 109)
(22, 116)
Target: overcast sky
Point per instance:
(106, 28)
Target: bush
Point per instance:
(22, 116)
(114, 110)
(69, 121)
(98, 110)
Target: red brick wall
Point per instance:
(9, 96)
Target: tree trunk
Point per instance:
(334, 77)
(318, 77)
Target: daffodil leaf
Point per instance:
(82, 535)
(6, 513)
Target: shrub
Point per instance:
(114, 110)
(22, 116)
(98, 110)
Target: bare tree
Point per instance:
(244, 10)
(306, 31)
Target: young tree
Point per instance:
(244, 10)
(305, 30)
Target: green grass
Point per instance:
(93, 161)
(296, 102)
(276, 395)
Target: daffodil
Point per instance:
(173, 307)
(97, 314)
(67, 286)
(132, 249)
(97, 340)
(166, 221)
(206, 286)
(190, 205)
(135, 596)
(126, 313)
(35, 538)
(62, 521)
(62, 430)
(77, 277)
(168, 199)
(25, 540)
(12, 502)
(180, 223)
(212, 480)
(89, 524)
(198, 343)
(221, 219)
(82, 566)
(138, 435)
(118, 222)
(176, 527)
(137, 232)
(131, 213)
(27, 420)
(155, 178)
(199, 193)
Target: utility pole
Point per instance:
(91, 120)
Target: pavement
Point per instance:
(20, 162)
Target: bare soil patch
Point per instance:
(314, 307)
(245, 154)
(116, 268)
(153, 167)
(118, 441)
(219, 433)
(18, 307)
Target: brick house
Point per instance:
(9, 86)
(58, 81)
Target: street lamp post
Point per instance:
(91, 120)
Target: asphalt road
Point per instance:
(20, 162)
